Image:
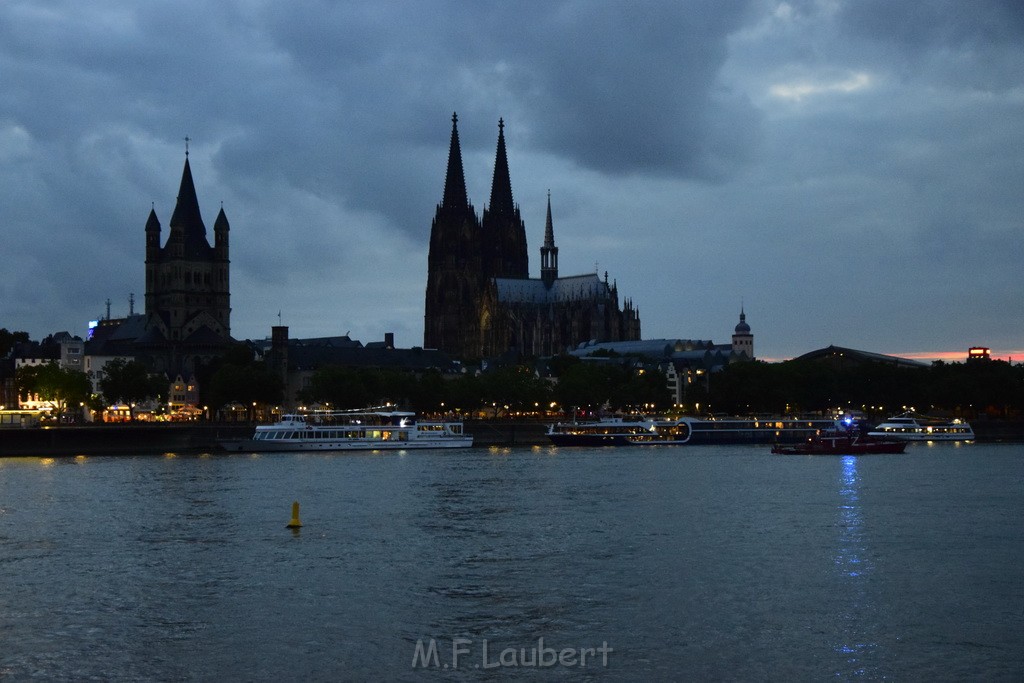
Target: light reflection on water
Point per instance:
(853, 562)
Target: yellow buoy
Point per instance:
(295, 523)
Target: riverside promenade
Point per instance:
(156, 439)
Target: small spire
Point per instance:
(187, 140)
(152, 223)
(549, 252)
(220, 224)
(549, 229)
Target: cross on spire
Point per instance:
(187, 140)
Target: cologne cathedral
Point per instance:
(481, 301)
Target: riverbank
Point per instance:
(155, 439)
(149, 439)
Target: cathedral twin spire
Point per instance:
(501, 230)
(455, 180)
(501, 184)
(472, 260)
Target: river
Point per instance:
(684, 563)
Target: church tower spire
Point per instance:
(503, 229)
(186, 216)
(455, 271)
(455, 180)
(549, 252)
(501, 183)
(743, 338)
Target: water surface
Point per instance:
(689, 563)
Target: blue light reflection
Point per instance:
(854, 573)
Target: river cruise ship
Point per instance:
(353, 430)
(686, 431)
(908, 427)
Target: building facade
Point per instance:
(481, 301)
(188, 293)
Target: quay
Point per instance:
(156, 439)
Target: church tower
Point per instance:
(455, 267)
(742, 338)
(481, 301)
(188, 296)
(549, 252)
(504, 233)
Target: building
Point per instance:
(62, 349)
(841, 357)
(684, 361)
(188, 294)
(979, 353)
(742, 339)
(480, 299)
(296, 360)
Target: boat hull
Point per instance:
(685, 431)
(294, 445)
(922, 436)
(908, 427)
(602, 440)
(842, 448)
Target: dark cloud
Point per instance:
(850, 170)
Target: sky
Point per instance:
(847, 172)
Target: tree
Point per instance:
(464, 393)
(645, 387)
(513, 388)
(54, 384)
(129, 382)
(9, 339)
(589, 385)
(247, 384)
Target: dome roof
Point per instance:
(743, 327)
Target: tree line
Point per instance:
(969, 389)
(992, 387)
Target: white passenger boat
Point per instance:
(908, 427)
(353, 430)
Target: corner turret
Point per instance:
(221, 228)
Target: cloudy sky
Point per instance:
(849, 171)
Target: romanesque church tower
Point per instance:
(188, 294)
